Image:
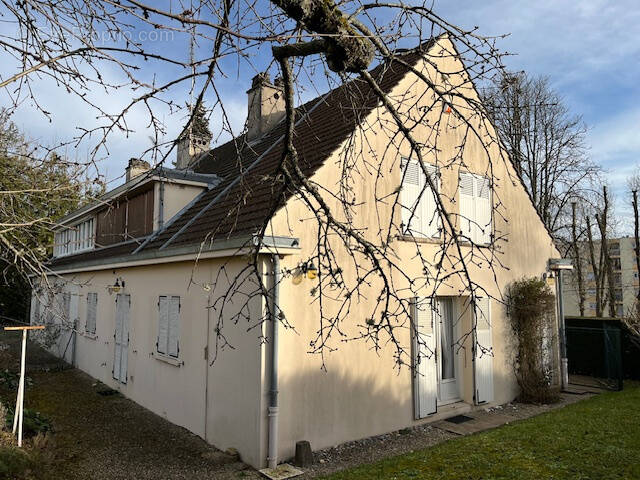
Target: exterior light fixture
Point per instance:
(116, 287)
(303, 270)
(312, 271)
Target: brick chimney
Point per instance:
(266, 105)
(135, 168)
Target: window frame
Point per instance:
(76, 238)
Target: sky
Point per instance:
(589, 49)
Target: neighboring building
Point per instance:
(625, 280)
(147, 312)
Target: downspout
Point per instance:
(564, 367)
(161, 205)
(272, 454)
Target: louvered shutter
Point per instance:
(117, 354)
(124, 349)
(163, 324)
(467, 210)
(431, 222)
(425, 365)
(483, 352)
(483, 227)
(411, 214)
(174, 326)
(92, 307)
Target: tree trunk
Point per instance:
(577, 261)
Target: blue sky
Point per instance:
(589, 50)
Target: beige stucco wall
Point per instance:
(176, 197)
(220, 402)
(363, 392)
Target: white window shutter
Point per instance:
(425, 365)
(411, 221)
(124, 349)
(483, 352)
(431, 221)
(483, 225)
(174, 326)
(117, 354)
(163, 324)
(92, 309)
(467, 209)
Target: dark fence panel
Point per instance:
(595, 353)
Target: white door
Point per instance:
(446, 332)
(483, 352)
(425, 372)
(121, 337)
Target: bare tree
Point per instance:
(546, 143)
(576, 247)
(634, 185)
(330, 44)
(599, 255)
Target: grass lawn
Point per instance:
(595, 439)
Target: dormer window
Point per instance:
(74, 239)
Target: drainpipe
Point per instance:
(564, 363)
(559, 265)
(161, 205)
(272, 454)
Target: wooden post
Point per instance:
(18, 414)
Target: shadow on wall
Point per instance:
(334, 407)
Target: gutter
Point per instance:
(272, 452)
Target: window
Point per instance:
(617, 279)
(591, 291)
(420, 216)
(617, 294)
(591, 277)
(616, 264)
(614, 249)
(619, 310)
(592, 306)
(475, 208)
(169, 325)
(92, 308)
(74, 239)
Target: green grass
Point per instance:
(595, 439)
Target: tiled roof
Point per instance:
(232, 209)
(241, 201)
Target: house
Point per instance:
(143, 275)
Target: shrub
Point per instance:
(33, 422)
(531, 310)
